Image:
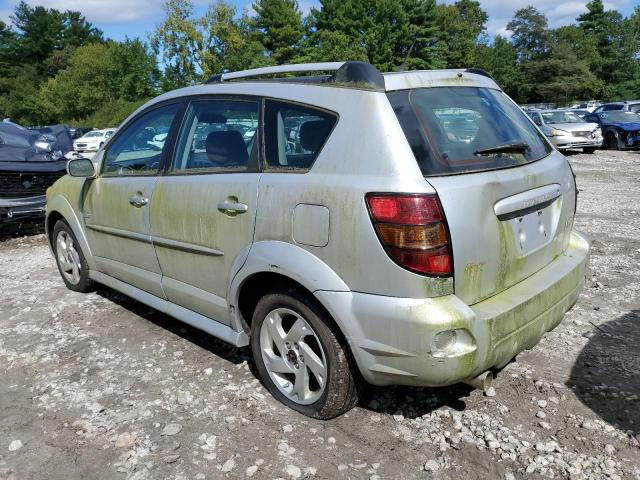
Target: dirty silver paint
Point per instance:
(184, 256)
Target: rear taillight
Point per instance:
(413, 231)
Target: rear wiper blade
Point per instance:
(504, 148)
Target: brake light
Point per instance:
(413, 231)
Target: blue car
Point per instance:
(621, 130)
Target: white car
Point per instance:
(92, 141)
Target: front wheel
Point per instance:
(71, 262)
(613, 141)
(301, 357)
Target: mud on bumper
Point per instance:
(392, 339)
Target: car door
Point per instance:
(203, 209)
(116, 203)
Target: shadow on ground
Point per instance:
(10, 230)
(607, 372)
(411, 402)
(203, 340)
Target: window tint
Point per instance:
(612, 107)
(462, 129)
(138, 149)
(217, 135)
(294, 135)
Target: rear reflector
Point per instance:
(412, 230)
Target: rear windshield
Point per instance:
(466, 129)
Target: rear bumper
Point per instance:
(17, 209)
(392, 339)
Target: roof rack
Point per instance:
(358, 74)
(479, 71)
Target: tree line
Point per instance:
(58, 67)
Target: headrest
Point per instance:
(313, 133)
(211, 117)
(227, 148)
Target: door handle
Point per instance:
(229, 207)
(138, 200)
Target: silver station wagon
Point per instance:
(352, 227)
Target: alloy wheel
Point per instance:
(293, 356)
(68, 257)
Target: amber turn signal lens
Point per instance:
(412, 236)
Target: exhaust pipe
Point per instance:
(482, 382)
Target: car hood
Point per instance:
(25, 145)
(574, 127)
(629, 126)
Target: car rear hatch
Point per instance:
(508, 197)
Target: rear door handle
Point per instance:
(138, 200)
(232, 207)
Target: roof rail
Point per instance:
(479, 71)
(360, 74)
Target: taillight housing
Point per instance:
(413, 231)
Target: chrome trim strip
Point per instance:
(185, 247)
(120, 233)
(528, 199)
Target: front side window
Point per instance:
(464, 129)
(217, 136)
(295, 134)
(138, 148)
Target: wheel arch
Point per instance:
(274, 264)
(59, 208)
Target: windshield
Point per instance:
(465, 129)
(93, 134)
(561, 117)
(623, 117)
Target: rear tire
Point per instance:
(323, 385)
(70, 259)
(588, 150)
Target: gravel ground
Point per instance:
(100, 386)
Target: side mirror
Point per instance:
(81, 167)
(537, 121)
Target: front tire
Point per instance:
(70, 259)
(613, 141)
(301, 357)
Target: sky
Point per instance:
(137, 18)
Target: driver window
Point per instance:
(138, 149)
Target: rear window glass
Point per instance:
(294, 134)
(464, 129)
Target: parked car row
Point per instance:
(615, 126)
(93, 140)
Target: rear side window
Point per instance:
(217, 136)
(294, 135)
(635, 108)
(466, 129)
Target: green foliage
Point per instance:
(529, 33)
(278, 25)
(392, 33)
(461, 25)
